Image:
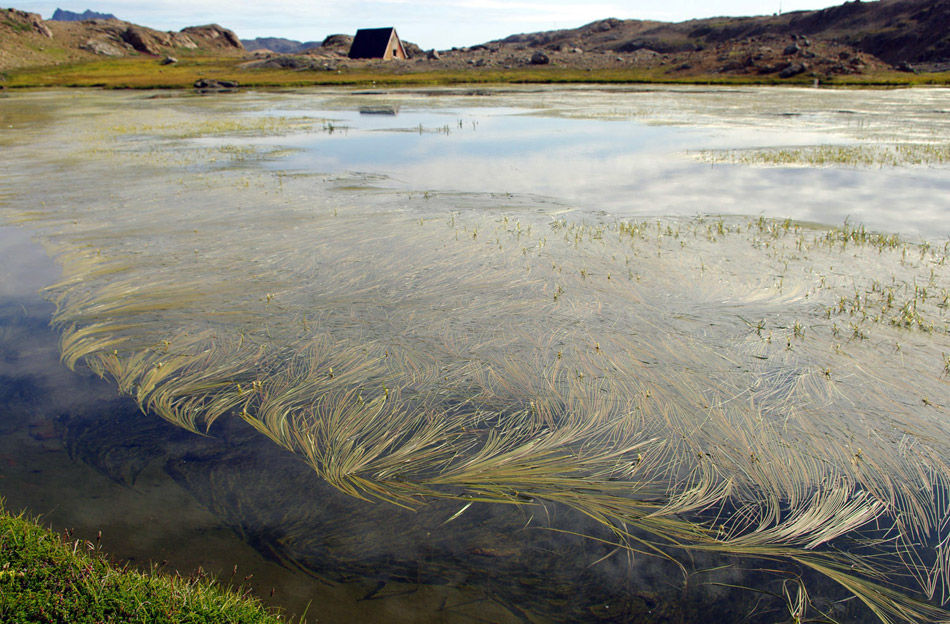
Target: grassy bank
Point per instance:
(148, 73)
(45, 577)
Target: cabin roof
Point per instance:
(371, 42)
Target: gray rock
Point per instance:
(791, 49)
(433, 55)
(208, 84)
(540, 58)
(102, 48)
(793, 70)
(169, 60)
(40, 27)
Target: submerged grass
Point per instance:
(699, 385)
(873, 155)
(45, 577)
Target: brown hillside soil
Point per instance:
(757, 56)
(26, 40)
(849, 43)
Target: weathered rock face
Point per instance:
(142, 40)
(338, 41)
(102, 48)
(23, 21)
(213, 36)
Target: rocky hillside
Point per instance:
(896, 32)
(853, 38)
(28, 40)
(279, 45)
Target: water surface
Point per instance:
(480, 354)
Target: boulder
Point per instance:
(793, 70)
(791, 49)
(209, 84)
(433, 55)
(38, 25)
(169, 60)
(540, 58)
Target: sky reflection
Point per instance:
(628, 168)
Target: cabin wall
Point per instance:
(394, 48)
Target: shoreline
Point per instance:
(149, 73)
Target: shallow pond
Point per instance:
(526, 354)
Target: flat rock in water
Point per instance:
(206, 84)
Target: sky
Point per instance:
(439, 24)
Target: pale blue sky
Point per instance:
(430, 23)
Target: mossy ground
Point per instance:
(148, 73)
(45, 577)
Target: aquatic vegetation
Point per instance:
(703, 385)
(860, 155)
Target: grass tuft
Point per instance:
(45, 577)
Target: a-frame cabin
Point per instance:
(380, 43)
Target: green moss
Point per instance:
(147, 73)
(46, 577)
(17, 26)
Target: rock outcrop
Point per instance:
(213, 36)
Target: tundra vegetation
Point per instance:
(45, 577)
(770, 391)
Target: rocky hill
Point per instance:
(279, 45)
(896, 32)
(849, 39)
(28, 40)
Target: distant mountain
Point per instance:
(279, 45)
(68, 16)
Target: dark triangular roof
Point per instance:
(371, 42)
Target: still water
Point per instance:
(490, 355)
